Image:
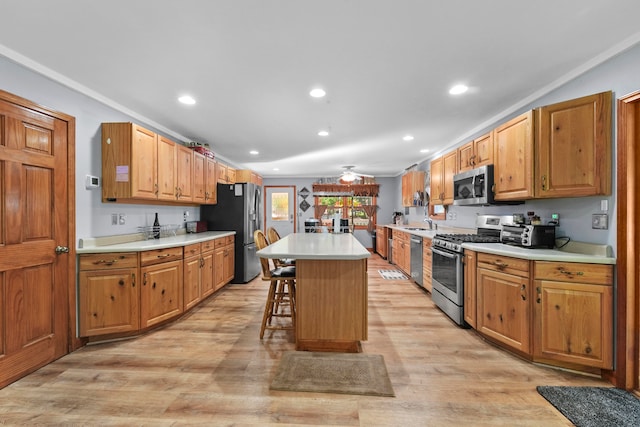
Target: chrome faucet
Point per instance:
(430, 221)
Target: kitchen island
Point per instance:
(331, 289)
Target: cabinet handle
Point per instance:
(133, 280)
(501, 265)
(523, 288)
(201, 262)
(144, 279)
(155, 186)
(539, 299)
(164, 256)
(104, 261)
(544, 182)
(569, 273)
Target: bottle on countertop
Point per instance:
(156, 228)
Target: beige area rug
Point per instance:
(345, 373)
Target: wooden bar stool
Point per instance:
(281, 291)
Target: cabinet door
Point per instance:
(503, 312)
(211, 183)
(470, 287)
(222, 173)
(229, 263)
(184, 171)
(108, 301)
(483, 150)
(192, 281)
(166, 169)
(207, 284)
(574, 323)
(199, 178)
(218, 267)
(161, 292)
(144, 158)
(466, 157)
(437, 188)
(513, 158)
(574, 147)
(426, 263)
(450, 166)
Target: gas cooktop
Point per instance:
(453, 242)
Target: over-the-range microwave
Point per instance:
(475, 188)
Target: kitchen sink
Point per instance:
(416, 228)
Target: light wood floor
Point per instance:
(210, 368)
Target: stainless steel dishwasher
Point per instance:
(416, 259)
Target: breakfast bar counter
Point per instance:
(331, 289)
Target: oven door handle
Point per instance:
(444, 254)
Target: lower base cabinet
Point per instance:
(123, 293)
(161, 292)
(574, 314)
(426, 263)
(503, 304)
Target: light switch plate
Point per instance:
(599, 221)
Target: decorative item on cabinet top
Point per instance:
(201, 148)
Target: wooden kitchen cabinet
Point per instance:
(192, 282)
(211, 182)
(470, 287)
(412, 183)
(226, 174)
(247, 175)
(167, 180)
(207, 285)
(476, 153)
(224, 261)
(402, 251)
(503, 301)
(514, 158)
(381, 240)
(426, 263)
(199, 178)
(108, 294)
(161, 292)
(442, 171)
(129, 162)
(574, 313)
(184, 173)
(573, 147)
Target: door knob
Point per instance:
(62, 250)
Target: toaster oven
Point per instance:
(529, 236)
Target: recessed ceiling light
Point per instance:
(276, 169)
(424, 150)
(323, 133)
(458, 89)
(186, 99)
(407, 138)
(317, 93)
(254, 152)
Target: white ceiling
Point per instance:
(386, 65)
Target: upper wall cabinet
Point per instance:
(573, 147)
(412, 183)
(476, 153)
(442, 171)
(513, 158)
(140, 166)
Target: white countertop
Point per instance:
(537, 254)
(90, 247)
(316, 246)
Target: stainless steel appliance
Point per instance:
(239, 210)
(447, 267)
(529, 236)
(416, 259)
(475, 188)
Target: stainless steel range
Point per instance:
(447, 265)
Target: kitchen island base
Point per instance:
(331, 300)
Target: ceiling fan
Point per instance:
(349, 175)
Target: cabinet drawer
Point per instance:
(224, 241)
(207, 246)
(519, 267)
(600, 274)
(108, 260)
(160, 255)
(191, 250)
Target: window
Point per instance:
(355, 208)
(279, 206)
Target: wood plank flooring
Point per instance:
(211, 368)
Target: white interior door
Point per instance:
(280, 209)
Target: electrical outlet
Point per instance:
(599, 221)
(114, 219)
(121, 219)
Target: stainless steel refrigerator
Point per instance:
(239, 208)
